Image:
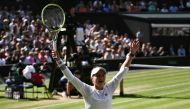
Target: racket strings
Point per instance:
(53, 18)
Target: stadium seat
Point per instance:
(26, 87)
(44, 91)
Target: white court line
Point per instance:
(141, 74)
(170, 93)
(152, 76)
(168, 86)
(157, 66)
(124, 101)
(162, 80)
(171, 105)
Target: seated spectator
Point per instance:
(181, 51)
(27, 72)
(130, 7)
(106, 8)
(140, 35)
(127, 5)
(154, 52)
(164, 9)
(62, 84)
(115, 6)
(48, 56)
(122, 6)
(188, 4)
(9, 59)
(37, 60)
(29, 59)
(173, 8)
(144, 49)
(37, 79)
(126, 39)
(119, 52)
(181, 5)
(139, 53)
(97, 5)
(83, 9)
(108, 54)
(99, 46)
(71, 89)
(171, 50)
(142, 5)
(161, 52)
(31, 73)
(152, 6)
(42, 57)
(2, 57)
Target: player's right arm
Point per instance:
(79, 85)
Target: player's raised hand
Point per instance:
(134, 46)
(54, 54)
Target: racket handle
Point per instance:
(60, 64)
(58, 60)
(55, 55)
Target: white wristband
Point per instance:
(61, 64)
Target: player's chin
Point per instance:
(101, 83)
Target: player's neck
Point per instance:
(98, 87)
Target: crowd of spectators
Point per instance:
(109, 6)
(24, 39)
(132, 6)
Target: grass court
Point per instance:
(144, 89)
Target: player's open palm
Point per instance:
(134, 46)
(54, 54)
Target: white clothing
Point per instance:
(28, 70)
(2, 61)
(93, 98)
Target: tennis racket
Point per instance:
(53, 17)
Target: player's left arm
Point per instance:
(133, 49)
(112, 84)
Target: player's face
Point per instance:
(99, 79)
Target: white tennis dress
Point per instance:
(93, 98)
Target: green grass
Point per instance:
(144, 89)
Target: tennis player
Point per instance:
(99, 96)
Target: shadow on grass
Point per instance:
(38, 99)
(30, 99)
(148, 97)
(2, 97)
